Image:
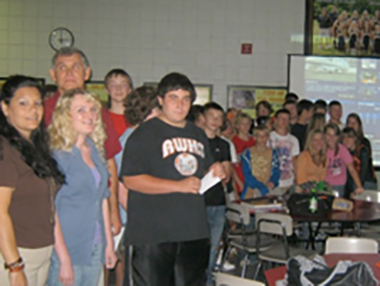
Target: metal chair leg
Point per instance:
(225, 256)
(259, 264)
(244, 270)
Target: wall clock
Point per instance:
(61, 37)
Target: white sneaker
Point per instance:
(228, 266)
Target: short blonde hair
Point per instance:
(261, 128)
(241, 115)
(62, 135)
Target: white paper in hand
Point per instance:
(117, 238)
(208, 181)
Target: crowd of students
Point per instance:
(72, 168)
(298, 145)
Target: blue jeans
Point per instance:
(216, 217)
(84, 275)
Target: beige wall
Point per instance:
(150, 38)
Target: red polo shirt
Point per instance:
(111, 145)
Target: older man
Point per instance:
(70, 69)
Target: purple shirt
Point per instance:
(98, 236)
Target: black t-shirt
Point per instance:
(167, 152)
(324, 21)
(299, 131)
(362, 159)
(367, 144)
(220, 150)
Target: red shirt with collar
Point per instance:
(111, 145)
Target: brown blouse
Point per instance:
(30, 208)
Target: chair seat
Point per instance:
(239, 232)
(265, 242)
(276, 253)
(370, 228)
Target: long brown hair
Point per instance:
(317, 121)
(320, 156)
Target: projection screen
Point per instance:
(355, 82)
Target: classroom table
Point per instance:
(362, 212)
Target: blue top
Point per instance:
(119, 156)
(122, 139)
(251, 181)
(79, 203)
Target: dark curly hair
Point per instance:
(35, 152)
(139, 104)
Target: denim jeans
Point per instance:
(84, 275)
(216, 217)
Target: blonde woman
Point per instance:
(311, 163)
(84, 241)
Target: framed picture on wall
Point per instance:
(342, 28)
(4, 79)
(204, 92)
(245, 97)
(97, 87)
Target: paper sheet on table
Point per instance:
(207, 182)
(117, 239)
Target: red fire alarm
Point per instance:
(246, 49)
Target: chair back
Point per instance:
(238, 213)
(223, 279)
(274, 223)
(351, 245)
(369, 196)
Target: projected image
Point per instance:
(368, 91)
(344, 69)
(346, 27)
(355, 82)
(368, 77)
(368, 64)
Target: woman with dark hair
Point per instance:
(263, 108)
(362, 161)
(354, 121)
(29, 178)
(339, 161)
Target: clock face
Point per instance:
(61, 37)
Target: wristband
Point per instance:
(15, 266)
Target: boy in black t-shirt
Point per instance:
(215, 197)
(163, 162)
(305, 112)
